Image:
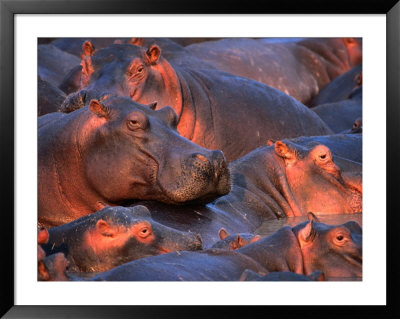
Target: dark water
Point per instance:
(271, 226)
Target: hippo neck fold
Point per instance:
(185, 110)
(172, 85)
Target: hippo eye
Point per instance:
(140, 69)
(340, 239)
(137, 121)
(144, 232)
(133, 124)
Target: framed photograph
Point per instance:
(24, 25)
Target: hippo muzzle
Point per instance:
(203, 177)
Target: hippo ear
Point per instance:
(153, 54)
(104, 228)
(311, 217)
(307, 234)
(87, 48)
(223, 233)
(284, 151)
(152, 105)
(99, 109)
(270, 142)
(239, 241)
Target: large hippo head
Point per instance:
(125, 70)
(115, 235)
(119, 151)
(137, 153)
(336, 250)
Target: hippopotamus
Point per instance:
(54, 64)
(50, 268)
(249, 275)
(115, 150)
(235, 241)
(113, 236)
(216, 110)
(50, 98)
(299, 68)
(341, 88)
(341, 115)
(172, 51)
(335, 250)
(286, 179)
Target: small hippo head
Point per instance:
(135, 152)
(115, 235)
(336, 250)
(316, 183)
(53, 267)
(232, 242)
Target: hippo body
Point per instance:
(119, 150)
(115, 235)
(50, 98)
(341, 88)
(299, 68)
(336, 250)
(216, 110)
(54, 64)
(341, 115)
(267, 184)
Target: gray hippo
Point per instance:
(116, 150)
(50, 98)
(54, 64)
(341, 88)
(299, 68)
(335, 250)
(216, 110)
(113, 236)
(341, 115)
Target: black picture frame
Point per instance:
(8, 8)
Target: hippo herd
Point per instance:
(160, 158)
